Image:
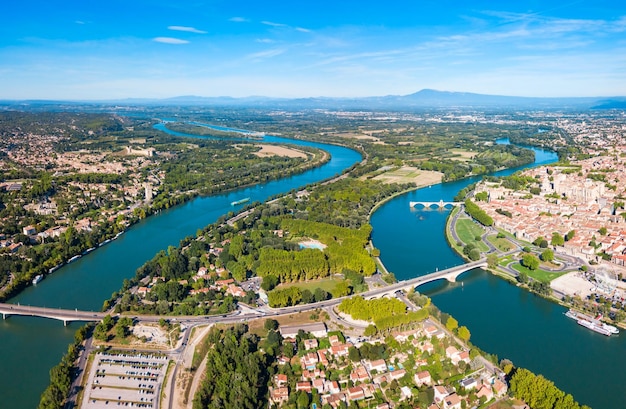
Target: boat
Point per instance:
(74, 258)
(593, 324)
(55, 268)
(37, 279)
(104, 242)
(89, 250)
(240, 201)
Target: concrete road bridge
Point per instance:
(438, 205)
(450, 274)
(54, 313)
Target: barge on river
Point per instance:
(241, 201)
(593, 324)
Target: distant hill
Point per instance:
(424, 99)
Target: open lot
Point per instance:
(271, 150)
(126, 380)
(408, 174)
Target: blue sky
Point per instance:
(69, 49)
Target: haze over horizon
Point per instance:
(157, 49)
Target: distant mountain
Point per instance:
(424, 99)
(611, 104)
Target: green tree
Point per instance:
(557, 239)
(547, 255)
(530, 261)
(452, 324)
(464, 333)
(270, 324)
(522, 277)
(492, 260)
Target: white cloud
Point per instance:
(79, 22)
(186, 29)
(265, 40)
(303, 30)
(169, 40)
(238, 20)
(266, 54)
(272, 24)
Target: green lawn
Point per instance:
(539, 275)
(505, 261)
(326, 284)
(501, 244)
(467, 231)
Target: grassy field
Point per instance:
(468, 230)
(501, 244)
(539, 274)
(505, 261)
(327, 284)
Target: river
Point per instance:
(31, 346)
(503, 319)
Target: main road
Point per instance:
(77, 315)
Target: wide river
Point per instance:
(502, 319)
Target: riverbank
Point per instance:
(570, 280)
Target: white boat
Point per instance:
(592, 323)
(74, 258)
(240, 201)
(37, 279)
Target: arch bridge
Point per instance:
(438, 205)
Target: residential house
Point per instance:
(440, 393)
(397, 374)
(452, 401)
(310, 344)
(378, 365)
(356, 393)
(279, 395)
(304, 386)
(309, 360)
(280, 380)
(405, 392)
(422, 378)
(468, 383)
(359, 374)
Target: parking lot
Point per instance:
(124, 380)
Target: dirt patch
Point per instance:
(358, 136)
(463, 153)
(271, 150)
(407, 174)
(573, 284)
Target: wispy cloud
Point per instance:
(265, 40)
(79, 22)
(303, 30)
(186, 29)
(238, 20)
(272, 24)
(170, 40)
(262, 55)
